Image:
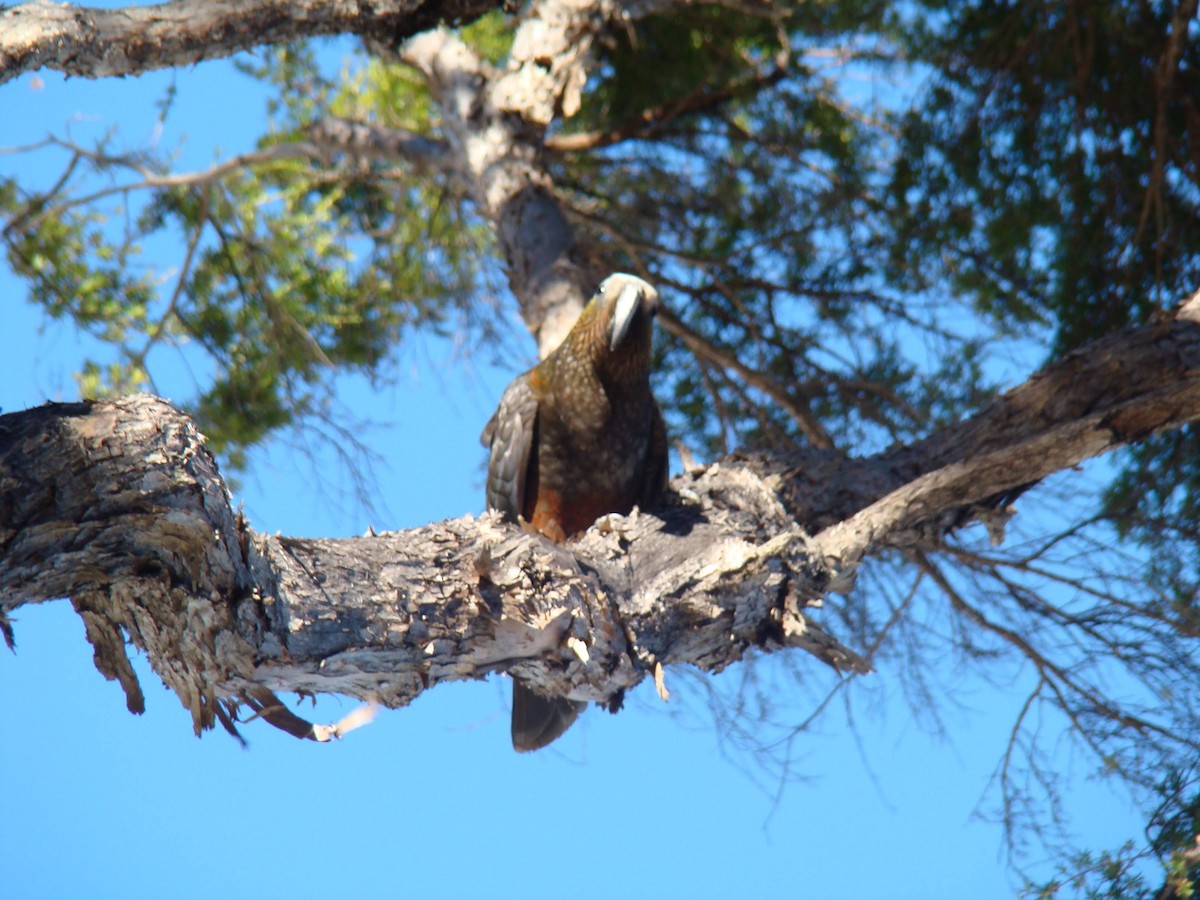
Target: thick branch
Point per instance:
(118, 506)
(99, 43)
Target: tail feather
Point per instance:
(539, 721)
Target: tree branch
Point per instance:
(495, 122)
(365, 141)
(100, 43)
(1113, 392)
(118, 506)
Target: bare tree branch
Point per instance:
(118, 506)
(1113, 392)
(365, 141)
(100, 43)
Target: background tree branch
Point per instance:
(101, 43)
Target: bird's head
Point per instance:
(629, 305)
(618, 321)
(613, 334)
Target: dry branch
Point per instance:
(100, 43)
(119, 507)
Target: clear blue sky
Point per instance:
(430, 800)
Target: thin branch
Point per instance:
(139, 358)
(650, 122)
(151, 179)
(804, 419)
(365, 141)
(1056, 676)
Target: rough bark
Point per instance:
(99, 43)
(118, 507)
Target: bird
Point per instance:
(577, 437)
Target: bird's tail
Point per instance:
(539, 721)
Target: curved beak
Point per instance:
(624, 310)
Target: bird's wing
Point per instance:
(509, 434)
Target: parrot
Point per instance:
(576, 437)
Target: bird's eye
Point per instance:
(600, 290)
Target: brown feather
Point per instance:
(579, 436)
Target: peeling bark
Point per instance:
(118, 506)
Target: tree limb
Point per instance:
(100, 43)
(117, 506)
(1113, 392)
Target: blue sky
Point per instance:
(101, 803)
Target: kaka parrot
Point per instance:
(578, 436)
